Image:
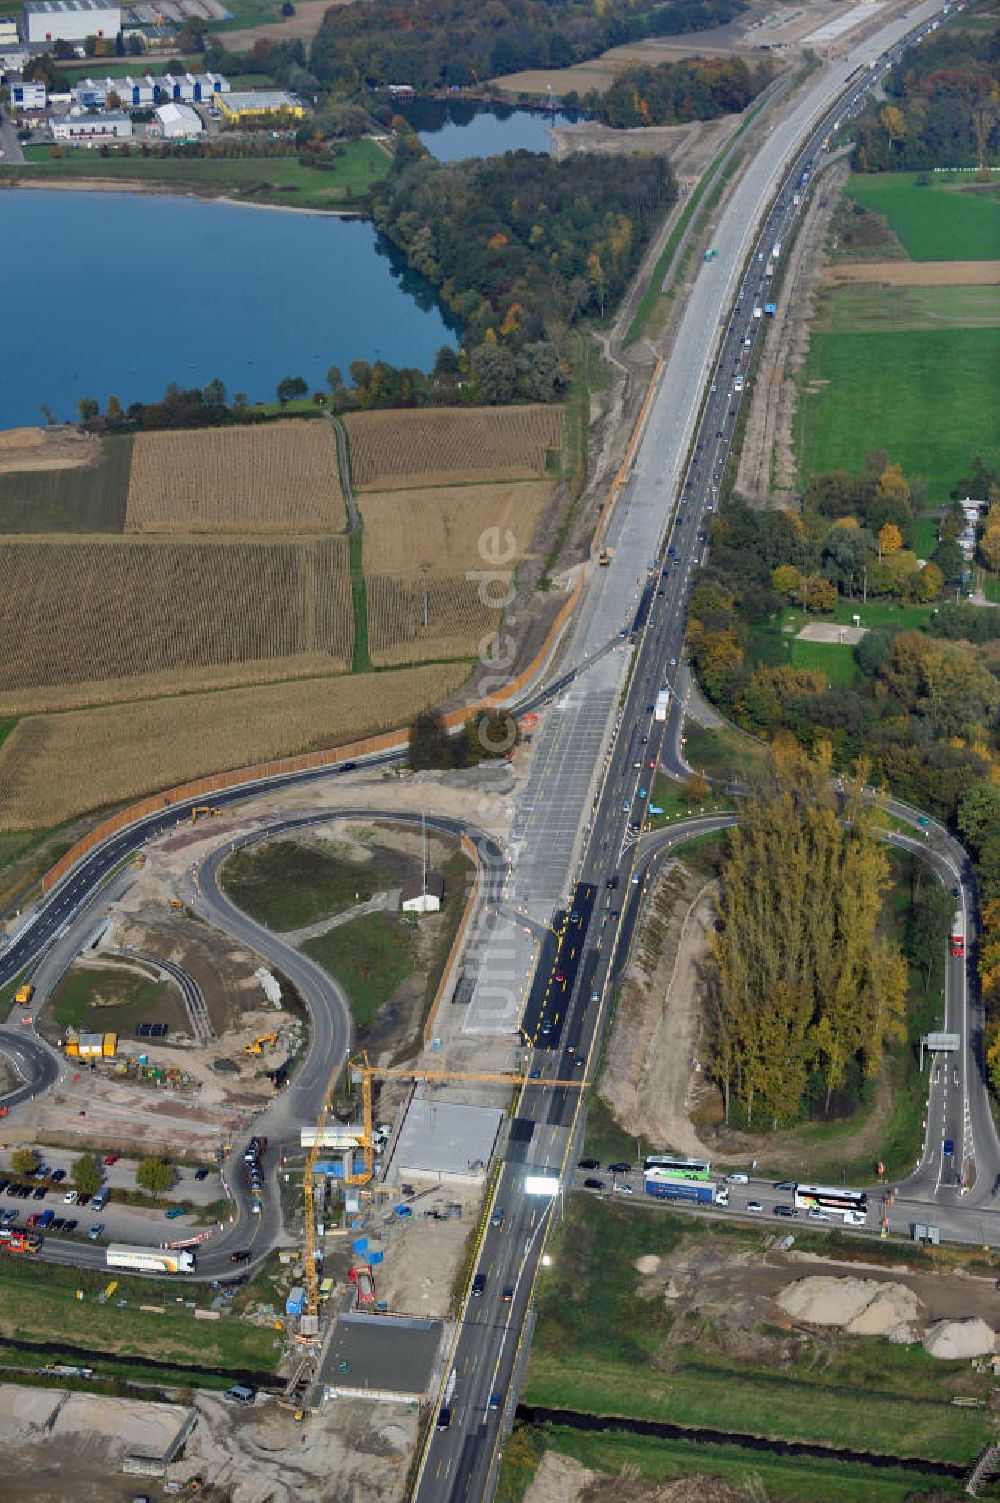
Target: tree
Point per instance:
(63, 50)
(929, 584)
(430, 744)
(334, 379)
(291, 387)
(155, 1175)
(890, 539)
(90, 46)
(134, 45)
(86, 1175)
(696, 788)
(215, 393)
(819, 594)
(24, 1160)
(113, 411)
(787, 580)
(979, 813)
(88, 408)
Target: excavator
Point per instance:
(256, 1046)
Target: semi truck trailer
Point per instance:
(150, 1259)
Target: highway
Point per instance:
(586, 850)
(674, 489)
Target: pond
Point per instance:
(124, 293)
(456, 128)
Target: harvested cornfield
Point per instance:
(277, 477)
(96, 613)
(55, 766)
(450, 529)
(446, 445)
(455, 615)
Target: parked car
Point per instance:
(70, 1198)
(95, 1231)
(40, 1193)
(786, 1184)
(201, 1173)
(588, 1164)
(620, 1168)
(593, 1184)
(71, 1224)
(83, 1200)
(785, 1211)
(737, 1179)
(754, 1205)
(58, 1176)
(111, 1158)
(175, 1211)
(816, 1213)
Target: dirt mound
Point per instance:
(952, 1339)
(560, 1479)
(648, 1263)
(865, 1307)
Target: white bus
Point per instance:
(852, 1205)
(150, 1259)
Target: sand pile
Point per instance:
(864, 1307)
(952, 1339)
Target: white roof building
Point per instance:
(178, 121)
(92, 130)
(70, 20)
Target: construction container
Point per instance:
(296, 1301)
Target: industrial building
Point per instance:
(178, 122)
(257, 104)
(92, 130)
(28, 96)
(70, 20)
(192, 88)
(8, 32)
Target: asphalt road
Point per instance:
(459, 1462)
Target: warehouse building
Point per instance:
(8, 32)
(257, 104)
(70, 20)
(177, 122)
(193, 88)
(92, 130)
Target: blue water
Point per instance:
(117, 292)
(456, 128)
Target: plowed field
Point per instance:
(448, 530)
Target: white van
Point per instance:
(737, 1179)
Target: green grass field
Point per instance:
(264, 180)
(113, 1000)
(928, 398)
(370, 956)
(724, 753)
(835, 659)
(872, 305)
(925, 534)
(284, 884)
(602, 1349)
(991, 588)
(38, 1304)
(90, 498)
(656, 1460)
(936, 223)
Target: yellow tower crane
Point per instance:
(363, 1071)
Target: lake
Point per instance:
(124, 293)
(456, 128)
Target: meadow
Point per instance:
(280, 477)
(934, 223)
(927, 397)
(267, 180)
(56, 766)
(84, 498)
(444, 446)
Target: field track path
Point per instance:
(343, 462)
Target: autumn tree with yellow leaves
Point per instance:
(804, 982)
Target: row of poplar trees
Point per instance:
(806, 985)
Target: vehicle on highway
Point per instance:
(508, 1293)
(755, 1205)
(737, 1178)
(786, 1184)
(837, 1202)
(149, 1259)
(497, 1218)
(677, 1166)
(949, 1148)
(478, 1285)
(738, 384)
(496, 1400)
(444, 1417)
(95, 1231)
(856, 1218)
(242, 1255)
(784, 1211)
(814, 1213)
(593, 1184)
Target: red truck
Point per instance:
(958, 936)
(364, 1284)
(16, 1241)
